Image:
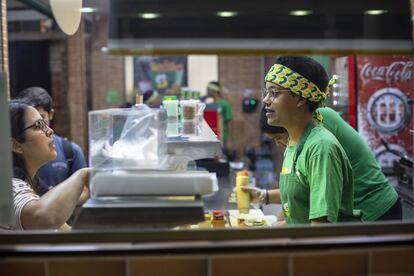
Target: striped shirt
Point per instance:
(22, 194)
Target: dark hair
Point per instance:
(17, 109)
(36, 97)
(214, 83)
(147, 94)
(266, 128)
(310, 69)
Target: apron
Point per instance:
(289, 181)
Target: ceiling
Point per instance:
(261, 19)
(259, 26)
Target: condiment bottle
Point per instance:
(218, 219)
(243, 198)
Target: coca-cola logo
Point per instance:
(396, 71)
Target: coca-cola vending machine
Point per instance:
(375, 95)
(343, 93)
(384, 90)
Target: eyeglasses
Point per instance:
(272, 92)
(38, 125)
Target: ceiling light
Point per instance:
(226, 13)
(88, 10)
(300, 12)
(375, 12)
(149, 15)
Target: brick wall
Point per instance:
(236, 74)
(68, 83)
(3, 37)
(59, 91)
(107, 72)
(68, 87)
(77, 99)
(4, 53)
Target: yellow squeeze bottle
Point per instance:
(243, 198)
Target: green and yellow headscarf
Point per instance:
(298, 84)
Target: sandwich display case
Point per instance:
(140, 176)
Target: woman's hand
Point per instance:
(281, 223)
(64, 227)
(256, 195)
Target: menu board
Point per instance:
(160, 73)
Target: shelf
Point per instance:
(205, 145)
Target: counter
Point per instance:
(346, 248)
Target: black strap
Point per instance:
(68, 152)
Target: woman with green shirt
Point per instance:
(374, 196)
(316, 184)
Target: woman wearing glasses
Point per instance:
(32, 146)
(316, 182)
(374, 195)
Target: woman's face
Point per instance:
(38, 147)
(279, 104)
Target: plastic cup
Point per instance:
(171, 106)
(189, 110)
(189, 128)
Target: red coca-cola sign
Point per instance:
(397, 71)
(385, 84)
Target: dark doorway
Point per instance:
(29, 65)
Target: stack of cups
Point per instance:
(189, 116)
(192, 116)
